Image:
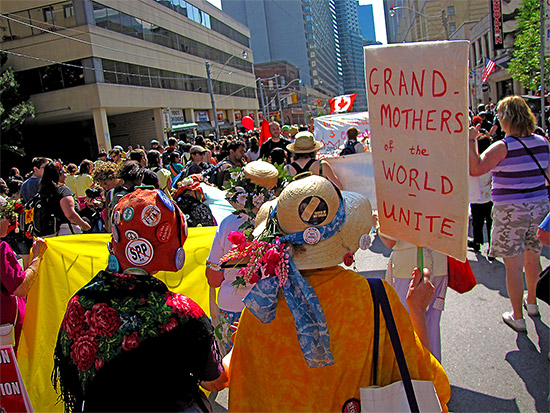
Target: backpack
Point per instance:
(210, 175)
(39, 218)
(349, 148)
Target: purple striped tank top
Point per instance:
(518, 178)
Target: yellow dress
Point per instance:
(269, 372)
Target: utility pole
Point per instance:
(260, 86)
(212, 99)
(279, 98)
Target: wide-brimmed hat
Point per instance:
(261, 173)
(304, 143)
(310, 205)
(149, 231)
(293, 131)
(197, 149)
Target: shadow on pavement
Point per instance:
(532, 365)
(464, 400)
(491, 274)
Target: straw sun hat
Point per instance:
(313, 201)
(261, 173)
(304, 143)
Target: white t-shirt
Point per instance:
(229, 298)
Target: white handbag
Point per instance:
(402, 396)
(7, 333)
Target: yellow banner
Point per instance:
(69, 263)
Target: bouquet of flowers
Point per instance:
(10, 211)
(267, 256)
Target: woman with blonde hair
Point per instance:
(519, 164)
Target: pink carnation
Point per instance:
(236, 238)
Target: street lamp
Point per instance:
(416, 12)
(211, 90)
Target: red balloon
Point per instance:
(248, 122)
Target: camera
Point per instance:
(93, 192)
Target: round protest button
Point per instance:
(116, 234)
(165, 200)
(116, 218)
(128, 214)
(365, 241)
(313, 210)
(180, 258)
(139, 252)
(312, 235)
(164, 232)
(131, 235)
(151, 215)
(112, 264)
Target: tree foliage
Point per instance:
(14, 108)
(525, 64)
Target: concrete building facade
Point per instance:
(109, 72)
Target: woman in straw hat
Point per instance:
(248, 190)
(304, 150)
(305, 340)
(126, 342)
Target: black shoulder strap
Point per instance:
(306, 167)
(380, 298)
(532, 156)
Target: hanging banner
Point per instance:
(418, 111)
(496, 24)
(332, 131)
(13, 394)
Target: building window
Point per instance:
(307, 9)
(48, 14)
(452, 27)
(68, 11)
(309, 26)
(308, 17)
(451, 11)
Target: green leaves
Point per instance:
(525, 64)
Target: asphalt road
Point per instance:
(491, 367)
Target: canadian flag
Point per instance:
(342, 103)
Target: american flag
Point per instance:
(489, 67)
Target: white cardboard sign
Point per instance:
(332, 130)
(418, 113)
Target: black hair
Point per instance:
(172, 141)
(174, 155)
(50, 178)
(153, 158)
(235, 144)
(129, 171)
(150, 178)
(278, 156)
(254, 146)
(84, 167)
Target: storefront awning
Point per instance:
(182, 126)
(204, 126)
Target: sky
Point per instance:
(378, 10)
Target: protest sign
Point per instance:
(13, 395)
(331, 130)
(418, 113)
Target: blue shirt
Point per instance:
(29, 188)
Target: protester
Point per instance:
(174, 165)
(105, 175)
(30, 186)
(196, 165)
(115, 156)
(154, 160)
(253, 186)
(16, 282)
(70, 179)
(59, 203)
(319, 328)
(304, 151)
(520, 200)
(276, 141)
(139, 156)
(84, 178)
(235, 158)
(127, 343)
(131, 175)
(253, 153)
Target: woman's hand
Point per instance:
(473, 131)
(85, 226)
(39, 247)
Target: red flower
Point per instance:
(73, 323)
(184, 306)
(130, 342)
(99, 363)
(170, 325)
(255, 278)
(18, 208)
(272, 258)
(103, 320)
(84, 351)
(236, 238)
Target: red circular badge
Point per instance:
(164, 232)
(348, 259)
(352, 406)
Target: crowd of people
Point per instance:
(275, 261)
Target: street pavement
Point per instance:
(491, 367)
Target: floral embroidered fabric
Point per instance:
(111, 316)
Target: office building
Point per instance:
(108, 72)
(303, 32)
(365, 15)
(351, 52)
